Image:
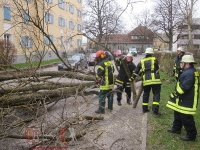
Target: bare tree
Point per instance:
(101, 18)
(144, 20)
(187, 8)
(167, 16)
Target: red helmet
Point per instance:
(100, 53)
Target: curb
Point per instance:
(144, 132)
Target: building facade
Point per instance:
(182, 33)
(141, 37)
(41, 29)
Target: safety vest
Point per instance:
(105, 71)
(150, 75)
(187, 101)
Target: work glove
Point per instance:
(131, 79)
(97, 80)
(173, 96)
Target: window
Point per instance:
(6, 11)
(79, 1)
(79, 42)
(71, 42)
(62, 40)
(79, 28)
(61, 4)
(49, 1)
(49, 18)
(27, 42)
(71, 24)
(47, 42)
(61, 22)
(71, 8)
(133, 37)
(7, 38)
(79, 13)
(26, 18)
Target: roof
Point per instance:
(126, 38)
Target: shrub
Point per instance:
(7, 54)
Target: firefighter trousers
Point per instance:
(187, 121)
(156, 97)
(103, 94)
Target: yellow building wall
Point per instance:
(17, 28)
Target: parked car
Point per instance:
(133, 51)
(125, 52)
(77, 61)
(117, 53)
(91, 59)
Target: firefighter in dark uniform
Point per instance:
(122, 80)
(148, 68)
(177, 70)
(184, 100)
(105, 77)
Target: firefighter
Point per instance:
(122, 80)
(105, 77)
(148, 69)
(184, 100)
(177, 70)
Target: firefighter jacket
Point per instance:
(105, 71)
(123, 78)
(177, 70)
(148, 68)
(187, 89)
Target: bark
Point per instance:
(31, 98)
(68, 74)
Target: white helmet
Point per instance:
(149, 50)
(129, 55)
(181, 49)
(188, 59)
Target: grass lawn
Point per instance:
(33, 64)
(157, 136)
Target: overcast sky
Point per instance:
(141, 6)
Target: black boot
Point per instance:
(119, 103)
(129, 101)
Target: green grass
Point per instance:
(157, 136)
(33, 64)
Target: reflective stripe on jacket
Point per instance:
(122, 76)
(149, 67)
(187, 88)
(105, 71)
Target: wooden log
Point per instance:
(138, 96)
(133, 87)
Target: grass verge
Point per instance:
(157, 136)
(33, 64)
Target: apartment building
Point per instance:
(182, 32)
(40, 29)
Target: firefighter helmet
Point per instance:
(188, 59)
(181, 49)
(100, 54)
(149, 50)
(129, 55)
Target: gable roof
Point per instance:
(126, 38)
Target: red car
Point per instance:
(117, 53)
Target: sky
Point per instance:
(137, 8)
(141, 6)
